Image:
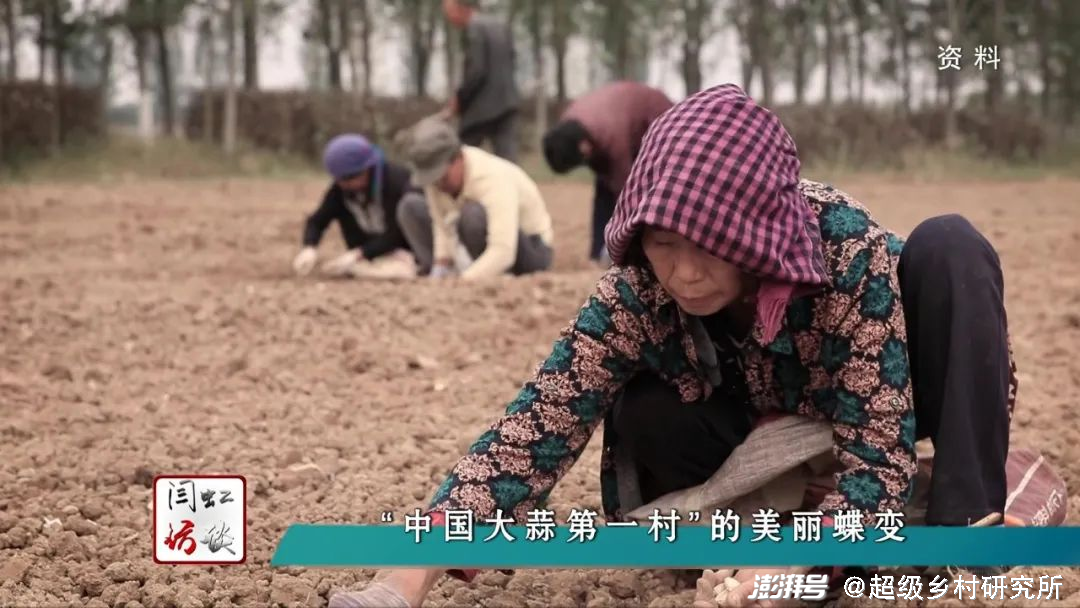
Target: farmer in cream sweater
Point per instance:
(476, 204)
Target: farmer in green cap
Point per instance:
(481, 215)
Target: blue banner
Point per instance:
(382, 546)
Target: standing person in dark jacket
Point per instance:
(487, 101)
(363, 200)
(603, 130)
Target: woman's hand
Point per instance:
(343, 264)
(390, 589)
(305, 261)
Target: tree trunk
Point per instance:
(592, 71)
(344, 19)
(59, 72)
(416, 41)
(902, 39)
(617, 34)
(830, 51)
(43, 39)
(59, 43)
(315, 64)
(138, 44)
(939, 86)
(846, 48)
(146, 103)
(1072, 96)
(799, 34)
(1022, 65)
(738, 16)
(229, 118)
(353, 65)
(450, 52)
(560, 34)
(333, 54)
(105, 68)
(1044, 41)
(694, 15)
(1023, 93)
(250, 20)
(760, 48)
(168, 102)
(366, 28)
(747, 68)
(860, 50)
(536, 27)
(434, 15)
(617, 39)
(209, 64)
(994, 79)
(1069, 19)
(800, 78)
(952, 15)
(11, 8)
(419, 55)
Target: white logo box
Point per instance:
(200, 519)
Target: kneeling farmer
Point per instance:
(740, 290)
(475, 200)
(363, 199)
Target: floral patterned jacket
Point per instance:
(840, 356)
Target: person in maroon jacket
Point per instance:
(603, 129)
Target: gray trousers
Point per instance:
(533, 255)
(502, 132)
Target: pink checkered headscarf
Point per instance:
(723, 172)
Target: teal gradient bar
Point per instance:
(383, 546)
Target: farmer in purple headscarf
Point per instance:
(741, 291)
(363, 199)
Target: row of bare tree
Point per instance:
(850, 42)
